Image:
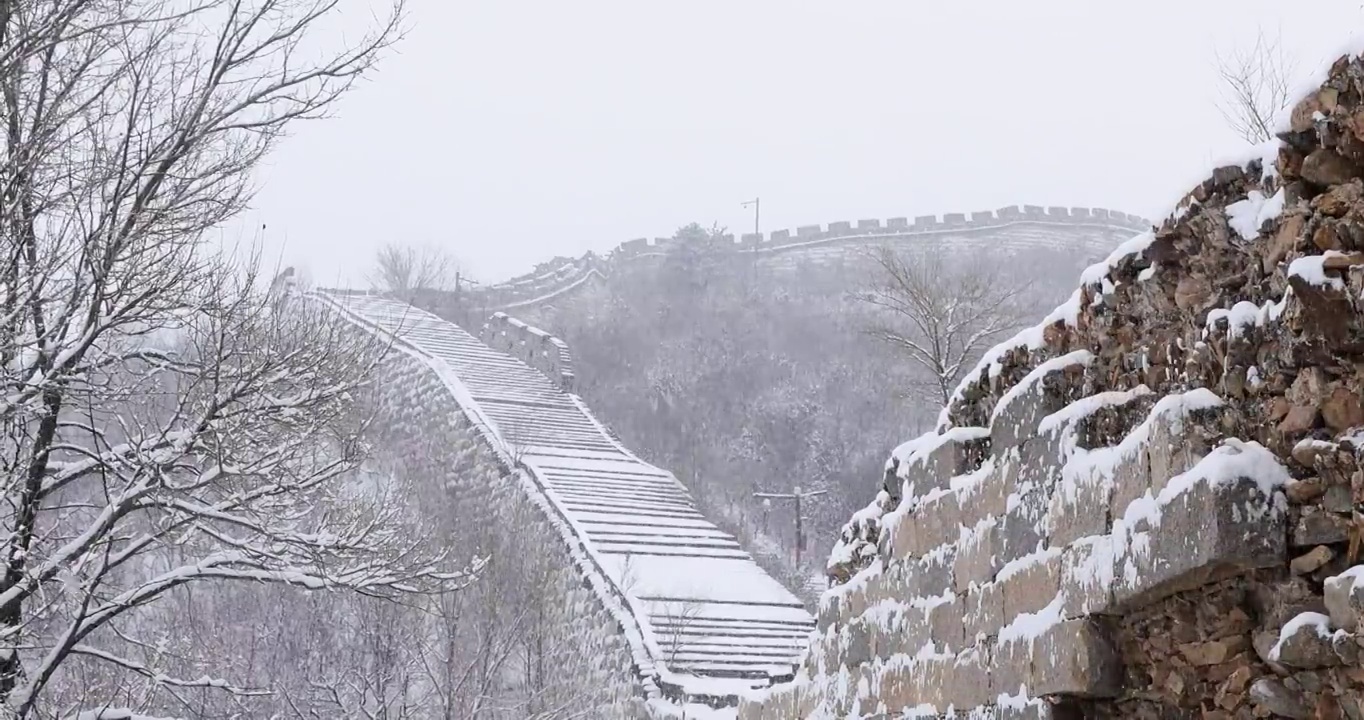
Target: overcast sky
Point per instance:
(509, 131)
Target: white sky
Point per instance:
(510, 131)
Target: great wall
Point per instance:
(1088, 230)
(663, 614)
(1146, 506)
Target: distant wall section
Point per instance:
(562, 275)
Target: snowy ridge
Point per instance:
(705, 622)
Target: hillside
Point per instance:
(748, 368)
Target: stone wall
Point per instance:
(530, 345)
(562, 274)
(421, 431)
(1144, 505)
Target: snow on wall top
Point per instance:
(710, 621)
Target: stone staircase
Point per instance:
(710, 622)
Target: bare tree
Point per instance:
(944, 314)
(165, 424)
(1255, 87)
(403, 269)
(678, 618)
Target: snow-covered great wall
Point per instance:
(1148, 505)
(666, 612)
(1087, 231)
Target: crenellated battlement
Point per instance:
(530, 345)
(559, 275)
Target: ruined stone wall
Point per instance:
(1144, 505)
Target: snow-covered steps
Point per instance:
(709, 620)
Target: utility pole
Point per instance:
(460, 282)
(799, 497)
(757, 230)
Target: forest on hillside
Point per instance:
(750, 377)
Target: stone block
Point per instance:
(1345, 600)
(1078, 508)
(961, 453)
(1131, 480)
(984, 611)
(1178, 441)
(935, 677)
(842, 227)
(898, 629)
(946, 625)
(1031, 586)
(934, 572)
(1015, 419)
(856, 641)
(1021, 529)
(1013, 660)
(1203, 534)
(1087, 577)
(990, 496)
(971, 687)
(937, 522)
(1316, 526)
(1041, 459)
(1076, 657)
(954, 218)
(869, 224)
(901, 580)
(975, 561)
(899, 686)
(897, 223)
(808, 231)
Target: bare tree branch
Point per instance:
(941, 314)
(404, 269)
(1255, 87)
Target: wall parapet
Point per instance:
(530, 345)
(560, 274)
